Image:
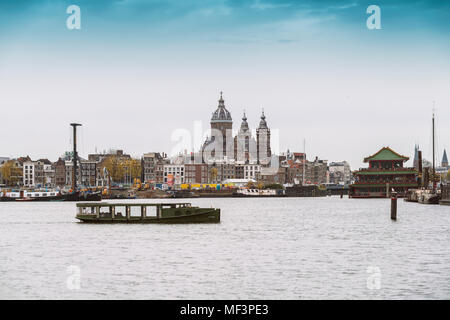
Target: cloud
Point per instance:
(260, 5)
(229, 20)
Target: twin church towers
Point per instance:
(243, 147)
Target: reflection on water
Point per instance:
(295, 248)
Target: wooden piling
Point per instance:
(394, 205)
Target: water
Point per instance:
(294, 248)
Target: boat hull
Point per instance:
(40, 199)
(434, 199)
(210, 216)
(240, 195)
(7, 199)
(80, 197)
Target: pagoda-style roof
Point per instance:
(400, 171)
(382, 184)
(386, 154)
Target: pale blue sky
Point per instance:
(137, 70)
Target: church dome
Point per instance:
(221, 114)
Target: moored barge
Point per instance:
(103, 212)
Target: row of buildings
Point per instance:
(157, 168)
(222, 157)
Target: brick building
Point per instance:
(88, 173)
(196, 173)
(153, 167)
(60, 173)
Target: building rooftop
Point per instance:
(386, 154)
(221, 114)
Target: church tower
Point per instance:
(221, 129)
(416, 157)
(221, 121)
(263, 141)
(444, 160)
(244, 145)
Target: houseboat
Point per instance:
(385, 173)
(49, 195)
(103, 212)
(23, 195)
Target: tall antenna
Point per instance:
(434, 168)
(75, 156)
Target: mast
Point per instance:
(434, 167)
(421, 179)
(75, 156)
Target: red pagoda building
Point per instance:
(385, 174)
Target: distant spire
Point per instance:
(263, 123)
(244, 124)
(444, 159)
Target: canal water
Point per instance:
(294, 248)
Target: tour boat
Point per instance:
(258, 193)
(103, 212)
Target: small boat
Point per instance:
(412, 195)
(103, 212)
(428, 197)
(431, 196)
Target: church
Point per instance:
(244, 147)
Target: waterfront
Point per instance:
(280, 248)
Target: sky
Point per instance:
(137, 73)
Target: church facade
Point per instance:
(244, 147)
